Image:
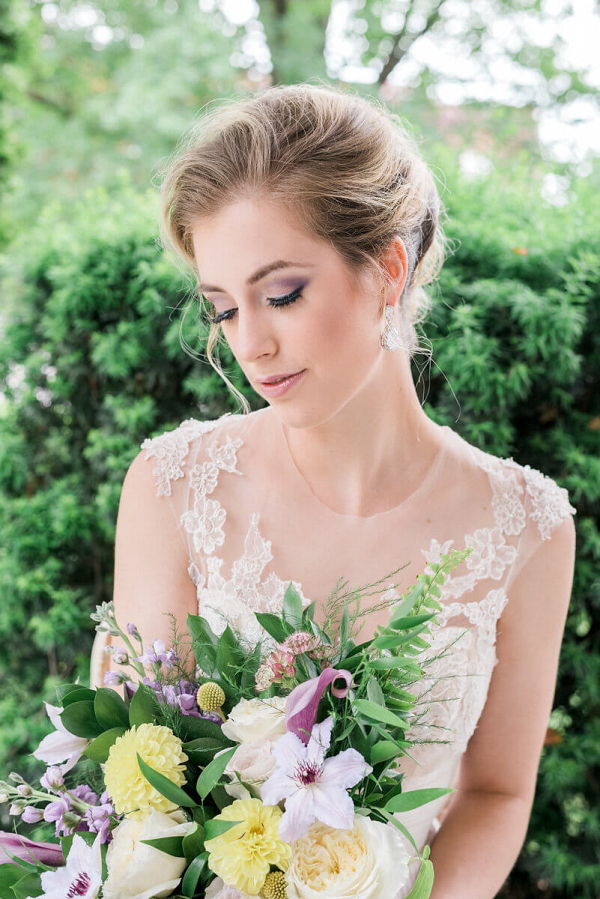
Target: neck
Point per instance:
(372, 452)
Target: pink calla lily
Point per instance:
(23, 848)
(303, 701)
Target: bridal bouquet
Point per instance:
(273, 773)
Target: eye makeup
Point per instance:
(272, 301)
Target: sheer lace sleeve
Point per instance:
(174, 454)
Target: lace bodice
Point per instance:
(251, 524)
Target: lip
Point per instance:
(280, 389)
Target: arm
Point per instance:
(151, 565)
(484, 830)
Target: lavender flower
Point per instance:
(99, 817)
(53, 778)
(31, 815)
(67, 811)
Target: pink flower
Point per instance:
(312, 786)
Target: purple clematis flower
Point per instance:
(313, 787)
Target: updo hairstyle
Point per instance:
(343, 165)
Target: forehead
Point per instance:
(247, 234)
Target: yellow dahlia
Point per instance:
(161, 749)
(243, 855)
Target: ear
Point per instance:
(395, 261)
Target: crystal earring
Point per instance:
(390, 339)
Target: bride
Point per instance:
(310, 224)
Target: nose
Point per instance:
(255, 336)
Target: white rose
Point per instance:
(139, 871)
(255, 763)
(368, 862)
(254, 718)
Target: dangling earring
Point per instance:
(390, 339)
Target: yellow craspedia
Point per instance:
(210, 697)
(243, 855)
(275, 886)
(161, 749)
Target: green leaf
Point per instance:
(374, 691)
(192, 728)
(230, 658)
(30, 885)
(202, 750)
(344, 625)
(193, 842)
(74, 693)
(9, 874)
(192, 875)
(411, 622)
(99, 749)
(309, 612)
(399, 826)
(424, 883)
(292, 606)
(274, 626)
(79, 719)
(213, 772)
(110, 708)
(378, 713)
(165, 786)
(214, 828)
(404, 802)
(395, 662)
(204, 643)
(144, 707)
(383, 751)
(169, 845)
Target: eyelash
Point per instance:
(273, 301)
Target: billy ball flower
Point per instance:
(243, 855)
(210, 698)
(123, 778)
(275, 886)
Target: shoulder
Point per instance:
(546, 503)
(173, 449)
(523, 495)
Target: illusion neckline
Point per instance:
(377, 516)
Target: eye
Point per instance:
(273, 301)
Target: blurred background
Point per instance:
(503, 98)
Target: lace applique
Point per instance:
(170, 450)
(550, 501)
(205, 520)
(232, 601)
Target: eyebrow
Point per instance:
(260, 274)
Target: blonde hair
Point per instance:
(345, 164)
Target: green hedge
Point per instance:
(515, 333)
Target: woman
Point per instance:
(311, 223)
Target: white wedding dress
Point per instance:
(251, 524)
